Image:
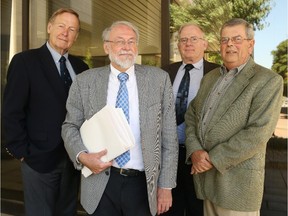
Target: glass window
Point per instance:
(11, 34)
(95, 16)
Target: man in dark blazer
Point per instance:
(33, 112)
(191, 45)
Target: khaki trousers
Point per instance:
(211, 209)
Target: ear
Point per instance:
(76, 36)
(49, 27)
(251, 46)
(106, 48)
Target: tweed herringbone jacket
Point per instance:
(88, 94)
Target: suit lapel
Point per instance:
(98, 87)
(235, 89)
(51, 72)
(205, 89)
(142, 93)
(172, 70)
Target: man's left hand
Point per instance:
(164, 200)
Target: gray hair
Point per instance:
(64, 10)
(238, 21)
(190, 24)
(106, 32)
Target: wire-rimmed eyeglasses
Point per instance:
(235, 40)
(193, 39)
(122, 43)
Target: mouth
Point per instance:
(230, 52)
(125, 54)
(62, 39)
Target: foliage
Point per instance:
(252, 11)
(88, 59)
(280, 56)
(211, 14)
(178, 16)
(215, 57)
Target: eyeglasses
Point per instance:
(193, 39)
(122, 43)
(235, 40)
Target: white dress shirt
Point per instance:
(136, 159)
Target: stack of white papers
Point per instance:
(107, 129)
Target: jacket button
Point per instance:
(107, 173)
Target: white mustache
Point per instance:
(122, 52)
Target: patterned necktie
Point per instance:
(123, 102)
(65, 73)
(182, 95)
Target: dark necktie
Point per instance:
(182, 95)
(122, 101)
(64, 72)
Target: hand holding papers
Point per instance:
(107, 129)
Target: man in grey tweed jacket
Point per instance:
(228, 125)
(143, 186)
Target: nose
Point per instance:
(229, 43)
(189, 41)
(65, 31)
(126, 45)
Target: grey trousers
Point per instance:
(51, 194)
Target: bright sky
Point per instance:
(272, 35)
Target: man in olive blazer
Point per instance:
(236, 136)
(88, 95)
(228, 125)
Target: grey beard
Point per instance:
(127, 63)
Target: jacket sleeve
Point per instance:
(192, 141)
(73, 121)
(169, 146)
(15, 102)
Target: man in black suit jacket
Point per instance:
(33, 112)
(191, 45)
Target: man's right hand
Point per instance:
(200, 162)
(93, 161)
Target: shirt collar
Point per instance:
(235, 71)
(55, 55)
(130, 71)
(198, 65)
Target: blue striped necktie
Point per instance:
(123, 102)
